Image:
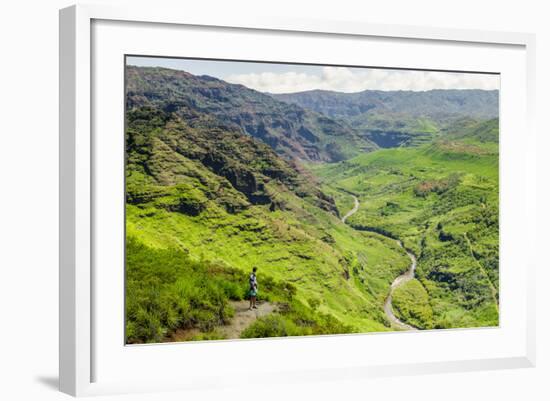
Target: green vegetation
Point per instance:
(411, 304)
(326, 261)
(297, 320)
(441, 199)
(166, 290)
(221, 178)
(195, 186)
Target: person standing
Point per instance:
(253, 292)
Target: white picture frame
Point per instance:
(80, 165)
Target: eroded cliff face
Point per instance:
(291, 130)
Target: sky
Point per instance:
(289, 78)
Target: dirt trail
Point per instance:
(244, 317)
(400, 280)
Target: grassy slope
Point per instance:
(206, 203)
(442, 201)
(227, 200)
(411, 303)
(287, 247)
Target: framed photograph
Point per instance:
(287, 199)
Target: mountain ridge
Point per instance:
(289, 129)
(362, 101)
(399, 118)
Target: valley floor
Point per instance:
(441, 201)
(400, 280)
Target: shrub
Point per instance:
(411, 303)
(424, 188)
(166, 290)
(295, 319)
(274, 325)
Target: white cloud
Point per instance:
(343, 79)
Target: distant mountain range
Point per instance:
(436, 104)
(399, 118)
(317, 125)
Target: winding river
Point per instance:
(400, 280)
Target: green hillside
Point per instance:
(441, 199)
(219, 202)
(221, 178)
